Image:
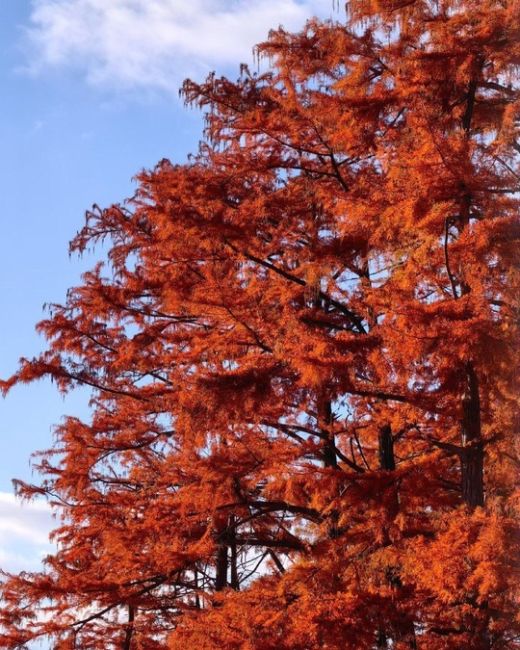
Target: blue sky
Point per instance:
(88, 98)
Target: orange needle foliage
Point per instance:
(301, 349)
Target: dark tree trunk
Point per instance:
(221, 567)
(472, 457)
(127, 643)
(233, 560)
(328, 453)
(196, 583)
(386, 448)
(324, 424)
(405, 632)
(381, 640)
(472, 475)
(387, 463)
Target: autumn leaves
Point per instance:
(303, 374)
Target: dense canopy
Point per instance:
(301, 350)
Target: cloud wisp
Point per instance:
(155, 44)
(24, 532)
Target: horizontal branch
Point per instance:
(354, 318)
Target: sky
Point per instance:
(88, 98)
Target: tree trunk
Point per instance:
(328, 453)
(387, 463)
(381, 640)
(235, 582)
(386, 448)
(221, 567)
(405, 631)
(472, 457)
(324, 424)
(127, 643)
(196, 583)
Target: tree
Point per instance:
(301, 349)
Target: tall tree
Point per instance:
(301, 349)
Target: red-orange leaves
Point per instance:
(302, 354)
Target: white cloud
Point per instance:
(24, 532)
(155, 43)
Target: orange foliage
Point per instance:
(301, 349)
